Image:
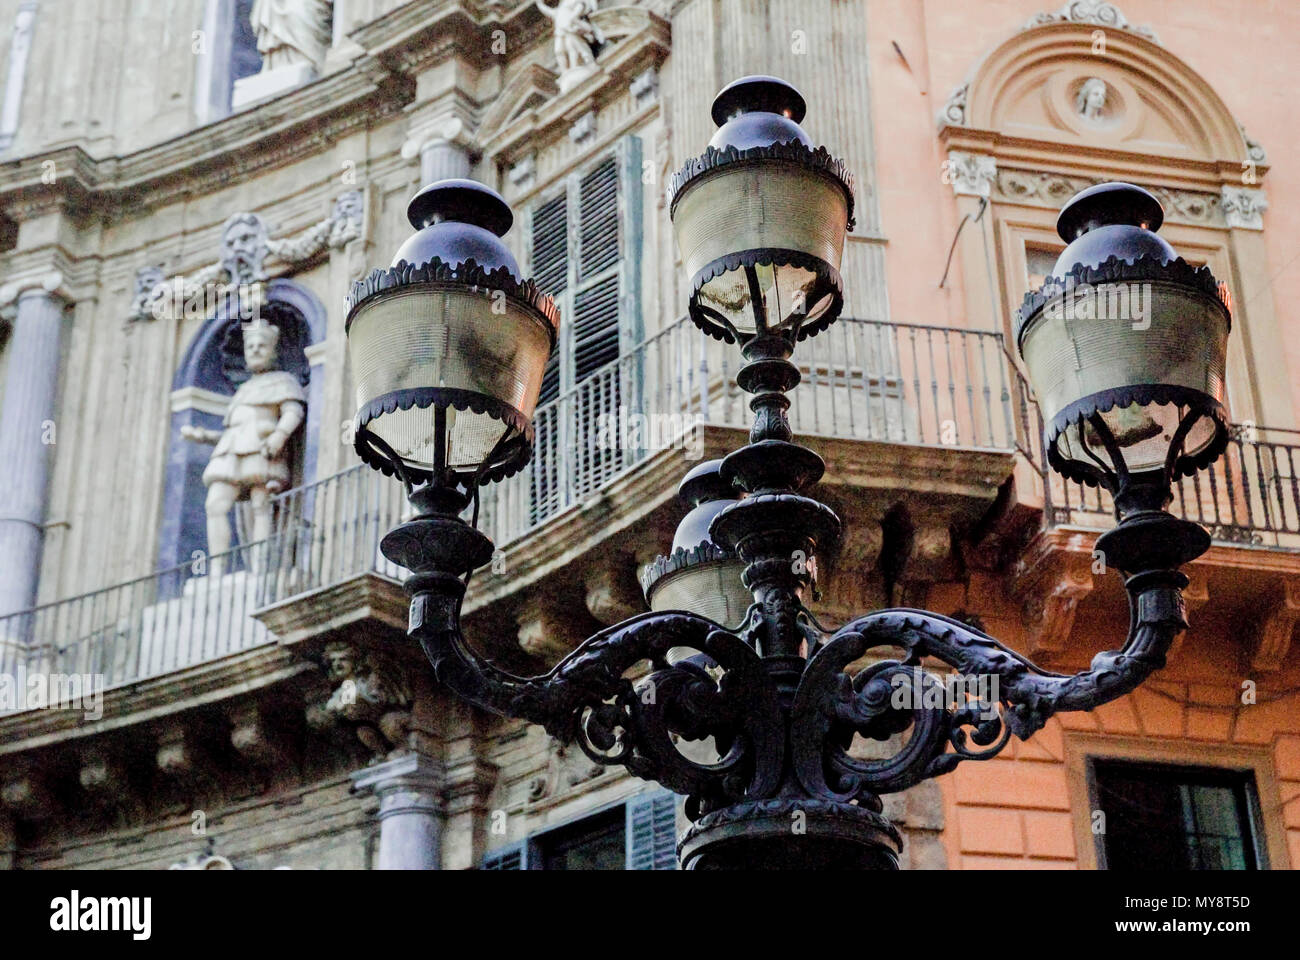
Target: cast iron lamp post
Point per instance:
(448, 347)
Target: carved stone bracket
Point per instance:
(970, 174)
(546, 633)
(245, 249)
(612, 593)
(1244, 207)
(1273, 639)
(371, 695)
(252, 736)
(1050, 589)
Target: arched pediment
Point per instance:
(1070, 83)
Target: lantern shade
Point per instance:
(760, 219)
(1126, 346)
(698, 575)
(447, 355)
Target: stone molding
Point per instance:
(1048, 189)
(158, 296)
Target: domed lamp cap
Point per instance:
(458, 221)
(758, 94)
(1109, 203)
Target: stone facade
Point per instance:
(147, 174)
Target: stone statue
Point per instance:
(1090, 101)
(575, 36)
(291, 33)
(250, 459)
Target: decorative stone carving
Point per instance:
(1096, 12)
(576, 40)
(612, 595)
(1090, 100)
(524, 172)
(1273, 640)
(566, 767)
(179, 755)
(1050, 589)
(27, 797)
(970, 174)
(1244, 207)
(251, 457)
(251, 735)
(953, 113)
(584, 128)
(246, 245)
(645, 86)
(1052, 190)
(373, 697)
(546, 634)
(1254, 150)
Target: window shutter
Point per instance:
(550, 239)
(513, 856)
(598, 219)
(652, 831)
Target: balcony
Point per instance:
(936, 404)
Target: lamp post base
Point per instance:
(791, 833)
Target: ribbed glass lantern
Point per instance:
(760, 219)
(448, 345)
(698, 575)
(1126, 347)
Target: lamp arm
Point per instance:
(587, 698)
(892, 695)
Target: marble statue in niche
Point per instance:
(575, 39)
(1090, 101)
(251, 457)
(291, 33)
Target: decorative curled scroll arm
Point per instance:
(586, 697)
(891, 696)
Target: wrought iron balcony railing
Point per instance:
(868, 380)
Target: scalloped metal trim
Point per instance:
(1146, 393)
(1116, 270)
(680, 559)
(712, 159)
(469, 273)
(766, 257)
(517, 452)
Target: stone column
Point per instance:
(410, 811)
(444, 149)
(27, 433)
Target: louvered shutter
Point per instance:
(550, 238)
(652, 831)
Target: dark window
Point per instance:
(1164, 817)
(596, 843)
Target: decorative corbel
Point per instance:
(545, 633)
(1049, 592)
(612, 594)
(250, 734)
(1272, 639)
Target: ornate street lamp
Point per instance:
(760, 221)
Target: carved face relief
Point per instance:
(1090, 101)
(339, 661)
(243, 247)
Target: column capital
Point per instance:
(51, 283)
(403, 783)
(443, 130)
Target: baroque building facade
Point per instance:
(161, 164)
